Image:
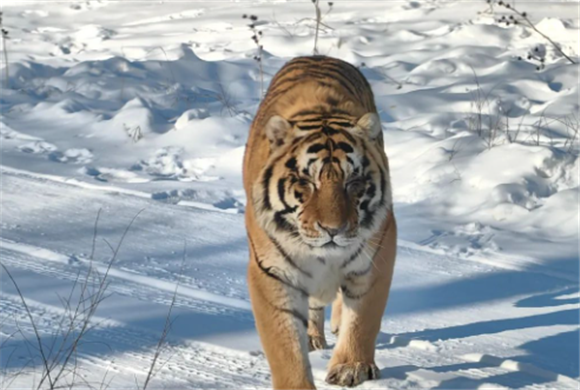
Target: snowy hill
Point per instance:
(116, 110)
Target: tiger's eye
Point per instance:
(304, 186)
(356, 186)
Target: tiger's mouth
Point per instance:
(331, 243)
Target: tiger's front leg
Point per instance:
(364, 299)
(281, 313)
(316, 339)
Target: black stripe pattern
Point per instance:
(296, 314)
(355, 274)
(353, 257)
(351, 294)
(323, 142)
(271, 273)
(288, 259)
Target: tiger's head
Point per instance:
(325, 189)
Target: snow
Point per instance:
(144, 107)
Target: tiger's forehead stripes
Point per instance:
(326, 148)
(322, 117)
(328, 110)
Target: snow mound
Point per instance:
(123, 108)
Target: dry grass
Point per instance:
(58, 354)
(5, 36)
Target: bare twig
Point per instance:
(168, 64)
(5, 38)
(481, 102)
(133, 132)
(168, 323)
(538, 126)
(60, 360)
(458, 176)
(288, 32)
(93, 302)
(318, 21)
(523, 17)
(454, 149)
(225, 98)
(572, 124)
(518, 130)
(554, 44)
(256, 37)
(95, 233)
(384, 73)
(34, 327)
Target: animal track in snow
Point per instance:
(37, 147)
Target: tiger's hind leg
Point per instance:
(316, 339)
(336, 314)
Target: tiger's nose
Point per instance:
(333, 231)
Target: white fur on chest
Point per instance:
(326, 280)
(323, 276)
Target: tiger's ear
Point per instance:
(369, 125)
(277, 129)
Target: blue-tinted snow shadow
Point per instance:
(539, 289)
(511, 380)
(141, 243)
(216, 84)
(563, 345)
(140, 322)
(551, 299)
(558, 353)
(486, 287)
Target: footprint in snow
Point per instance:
(113, 175)
(34, 13)
(37, 147)
(7, 133)
(72, 156)
(413, 4)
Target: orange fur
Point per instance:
(319, 220)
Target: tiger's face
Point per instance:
(325, 189)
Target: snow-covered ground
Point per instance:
(129, 106)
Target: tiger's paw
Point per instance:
(352, 374)
(316, 342)
(334, 329)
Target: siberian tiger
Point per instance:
(320, 221)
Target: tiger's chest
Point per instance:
(323, 277)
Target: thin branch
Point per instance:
(5, 37)
(33, 323)
(318, 21)
(95, 231)
(524, 17)
(168, 322)
(98, 298)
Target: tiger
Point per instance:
(320, 222)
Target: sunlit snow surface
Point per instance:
(128, 106)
